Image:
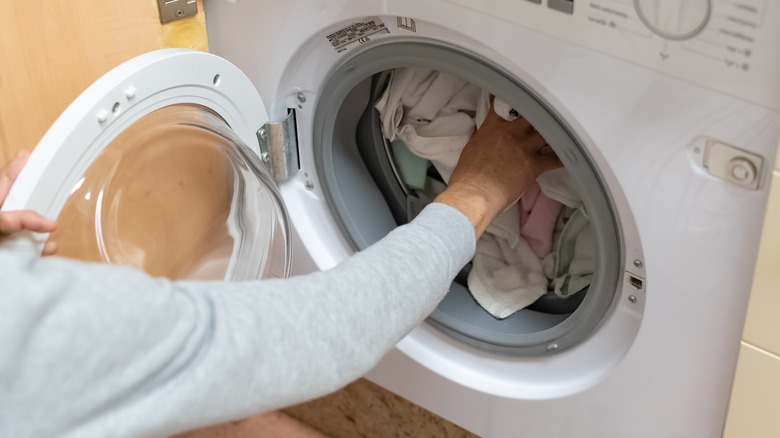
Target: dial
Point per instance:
(674, 19)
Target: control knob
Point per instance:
(674, 19)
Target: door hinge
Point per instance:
(171, 10)
(279, 147)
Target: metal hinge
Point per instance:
(171, 10)
(279, 147)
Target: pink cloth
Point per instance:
(538, 214)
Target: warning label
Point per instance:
(358, 33)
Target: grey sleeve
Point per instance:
(96, 350)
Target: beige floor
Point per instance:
(362, 409)
(269, 425)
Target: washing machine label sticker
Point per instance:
(357, 34)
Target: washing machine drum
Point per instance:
(363, 186)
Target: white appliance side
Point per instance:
(645, 130)
(699, 236)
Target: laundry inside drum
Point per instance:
(545, 274)
(538, 254)
(175, 196)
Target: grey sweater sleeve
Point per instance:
(96, 350)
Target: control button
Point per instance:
(742, 170)
(566, 6)
(674, 19)
(733, 164)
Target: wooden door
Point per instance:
(50, 51)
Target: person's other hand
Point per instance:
(12, 222)
(495, 167)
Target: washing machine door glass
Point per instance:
(177, 195)
(156, 166)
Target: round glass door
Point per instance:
(178, 195)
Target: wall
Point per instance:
(755, 396)
(50, 51)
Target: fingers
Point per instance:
(10, 171)
(50, 248)
(519, 127)
(492, 117)
(16, 221)
(13, 168)
(534, 142)
(531, 139)
(548, 161)
(5, 186)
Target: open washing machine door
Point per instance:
(157, 166)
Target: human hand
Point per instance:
(495, 167)
(12, 222)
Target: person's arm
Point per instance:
(96, 350)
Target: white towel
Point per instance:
(559, 185)
(506, 275)
(570, 267)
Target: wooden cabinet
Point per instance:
(50, 51)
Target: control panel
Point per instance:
(732, 46)
(674, 19)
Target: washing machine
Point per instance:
(666, 113)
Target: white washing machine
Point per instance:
(665, 112)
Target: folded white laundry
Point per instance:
(506, 275)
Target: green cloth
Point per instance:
(412, 169)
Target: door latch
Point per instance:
(733, 164)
